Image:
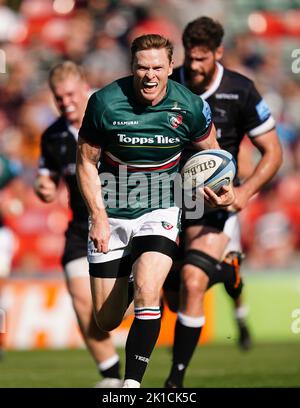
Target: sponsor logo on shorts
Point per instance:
(167, 225)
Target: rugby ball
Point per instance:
(209, 168)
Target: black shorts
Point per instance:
(212, 217)
(76, 242)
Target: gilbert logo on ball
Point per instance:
(209, 168)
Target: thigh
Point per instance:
(151, 268)
(208, 234)
(109, 298)
(206, 239)
(150, 271)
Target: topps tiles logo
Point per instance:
(156, 139)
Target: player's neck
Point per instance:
(76, 123)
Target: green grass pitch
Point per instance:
(266, 365)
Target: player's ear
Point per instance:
(219, 53)
(171, 66)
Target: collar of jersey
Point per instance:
(214, 86)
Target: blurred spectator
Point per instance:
(11, 24)
(269, 232)
(149, 20)
(106, 62)
(273, 243)
(78, 36)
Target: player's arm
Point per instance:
(209, 141)
(225, 196)
(269, 146)
(90, 187)
(47, 178)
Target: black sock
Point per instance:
(111, 372)
(185, 342)
(140, 342)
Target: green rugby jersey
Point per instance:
(140, 144)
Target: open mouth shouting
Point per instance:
(149, 86)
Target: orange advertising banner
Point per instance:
(39, 314)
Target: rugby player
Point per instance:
(139, 126)
(58, 161)
(237, 110)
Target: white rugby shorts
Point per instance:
(162, 222)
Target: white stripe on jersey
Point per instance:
(268, 125)
(114, 158)
(215, 85)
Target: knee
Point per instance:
(146, 295)
(194, 282)
(82, 304)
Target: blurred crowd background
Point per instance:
(261, 41)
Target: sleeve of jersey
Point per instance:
(90, 129)
(202, 121)
(47, 164)
(256, 115)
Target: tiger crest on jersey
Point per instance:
(175, 120)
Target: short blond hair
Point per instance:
(150, 41)
(63, 70)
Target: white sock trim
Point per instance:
(241, 312)
(131, 384)
(108, 363)
(189, 321)
(147, 312)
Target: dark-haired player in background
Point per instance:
(238, 109)
(58, 158)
